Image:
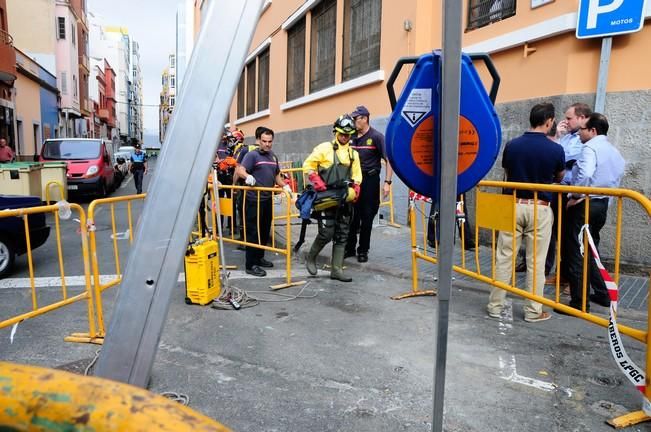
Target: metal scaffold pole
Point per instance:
(449, 144)
(173, 198)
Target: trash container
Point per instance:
(54, 172)
(21, 178)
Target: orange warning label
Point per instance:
(422, 149)
(468, 144)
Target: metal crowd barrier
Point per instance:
(497, 212)
(226, 211)
(59, 186)
(100, 284)
(38, 309)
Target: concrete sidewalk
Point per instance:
(345, 357)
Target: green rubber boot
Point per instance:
(310, 257)
(337, 271)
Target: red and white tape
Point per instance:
(633, 372)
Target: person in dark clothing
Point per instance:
(599, 165)
(138, 167)
(369, 143)
(259, 168)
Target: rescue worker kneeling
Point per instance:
(333, 168)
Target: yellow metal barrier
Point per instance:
(47, 191)
(226, 212)
(496, 212)
(98, 285)
(39, 399)
(86, 294)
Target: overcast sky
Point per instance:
(151, 23)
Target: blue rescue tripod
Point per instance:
(444, 118)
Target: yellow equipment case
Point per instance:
(202, 283)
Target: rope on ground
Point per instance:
(92, 362)
(233, 298)
(181, 398)
(236, 298)
(285, 297)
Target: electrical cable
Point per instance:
(92, 362)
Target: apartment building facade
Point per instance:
(136, 100)
(324, 57)
(36, 106)
(167, 98)
(8, 75)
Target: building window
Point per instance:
(61, 27)
(323, 45)
(172, 101)
(362, 22)
(241, 95)
(250, 88)
(172, 81)
(296, 61)
(263, 80)
(172, 61)
(484, 12)
(74, 85)
(64, 83)
(72, 33)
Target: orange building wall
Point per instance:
(561, 64)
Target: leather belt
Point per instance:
(532, 201)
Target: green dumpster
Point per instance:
(20, 178)
(54, 174)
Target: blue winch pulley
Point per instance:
(412, 133)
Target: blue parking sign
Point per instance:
(602, 18)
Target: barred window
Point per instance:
(61, 33)
(484, 12)
(263, 80)
(296, 61)
(250, 88)
(362, 22)
(240, 95)
(323, 45)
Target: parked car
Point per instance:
(12, 230)
(127, 149)
(121, 165)
(90, 163)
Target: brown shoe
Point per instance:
(544, 316)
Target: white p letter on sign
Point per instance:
(594, 10)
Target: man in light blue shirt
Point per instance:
(575, 117)
(599, 165)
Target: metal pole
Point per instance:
(602, 81)
(174, 194)
(449, 144)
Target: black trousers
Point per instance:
(335, 226)
(364, 212)
(572, 254)
(138, 174)
(433, 225)
(253, 219)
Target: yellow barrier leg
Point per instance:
(288, 251)
(415, 292)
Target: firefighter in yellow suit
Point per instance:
(334, 170)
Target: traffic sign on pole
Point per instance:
(602, 18)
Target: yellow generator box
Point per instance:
(202, 284)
